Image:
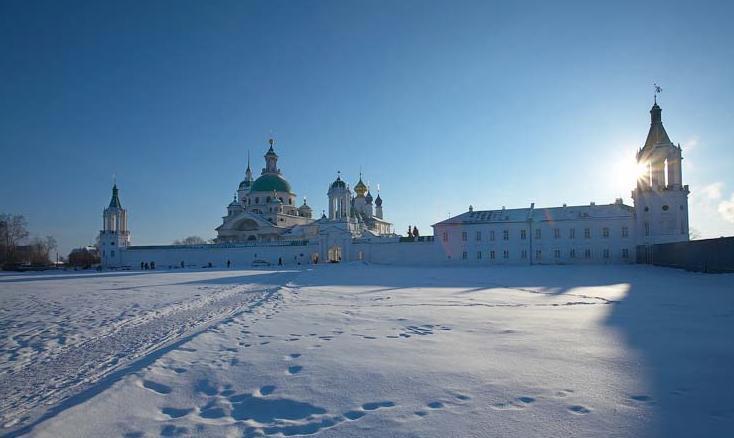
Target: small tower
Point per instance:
(246, 183)
(304, 210)
(660, 198)
(234, 207)
(114, 236)
(339, 200)
(271, 160)
(362, 204)
(378, 206)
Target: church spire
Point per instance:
(657, 134)
(115, 201)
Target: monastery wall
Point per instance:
(201, 255)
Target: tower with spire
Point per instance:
(114, 235)
(246, 183)
(660, 198)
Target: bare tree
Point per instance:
(12, 232)
(191, 240)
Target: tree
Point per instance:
(84, 257)
(12, 232)
(191, 240)
(40, 249)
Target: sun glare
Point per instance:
(625, 173)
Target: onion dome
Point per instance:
(378, 200)
(245, 184)
(338, 183)
(270, 182)
(368, 198)
(270, 151)
(360, 188)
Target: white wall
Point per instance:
(165, 256)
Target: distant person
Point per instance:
(152, 265)
(280, 261)
(415, 231)
(147, 266)
(182, 264)
(410, 233)
(228, 263)
(142, 266)
(209, 265)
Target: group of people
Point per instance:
(144, 266)
(413, 232)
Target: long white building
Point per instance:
(263, 224)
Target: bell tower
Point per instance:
(114, 236)
(660, 198)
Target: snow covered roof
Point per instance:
(592, 211)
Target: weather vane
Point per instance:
(658, 90)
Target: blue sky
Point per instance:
(444, 104)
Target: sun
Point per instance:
(625, 173)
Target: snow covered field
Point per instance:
(357, 350)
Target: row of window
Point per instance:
(605, 233)
(587, 254)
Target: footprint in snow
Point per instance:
(372, 406)
(579, 410)
(294, 369)
(156, 387)
(176, 412)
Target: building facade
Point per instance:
(608, 233)
(264, 225)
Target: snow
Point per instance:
(367, 350)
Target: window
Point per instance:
(625, 232)
(587, 233)
(257, 199)
(556, 233)
(267, 199)
(557, 253)
(491, 235)
(491, 254)
(572, 253)
(506, 235)
(665, 208)
(479, 235)
(523, 234)
(506, 254)
(537, 233)
(463, 255)
(605, 232)
(572, 233)
(479, 255)
(112, 243)
(647, 229)
(463, 236)
(538, 254)
(625, 253)
(445, 236)
(524, 254)
(587, 253)
(606, 253)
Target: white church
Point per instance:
(264, 225)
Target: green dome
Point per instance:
(270, 182)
